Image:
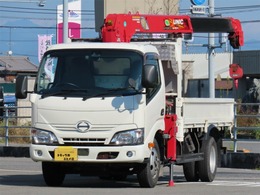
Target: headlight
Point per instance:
(130, 137)
(43, 137)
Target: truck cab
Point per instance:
(103, 101)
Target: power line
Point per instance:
(31, 18)
(42, 9)
(84, 11)
(250, 21)
(41, 27)
(240, 7)
(18, 41)
(233, 9)
(34, 12)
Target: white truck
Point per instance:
(115, 109)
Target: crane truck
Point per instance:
(114, 106)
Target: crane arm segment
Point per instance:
(122, 27)
(229, 25)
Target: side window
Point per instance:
(50, 68)
(153, 59)
(46, 73)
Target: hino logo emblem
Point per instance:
(83, 126)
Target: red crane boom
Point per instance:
(122, 27)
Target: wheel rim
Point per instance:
(212, 163)
(154, 163)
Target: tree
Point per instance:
(170, 7)
(167, 7)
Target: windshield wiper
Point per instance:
(124, 88)
(44, 95)
(111, 91)
(63, 92)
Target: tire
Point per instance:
(148, 175)
(208, 166)
(52, 173)
(191, 172)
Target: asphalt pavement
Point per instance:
(24, 177)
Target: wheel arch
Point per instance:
(217, 134)
(214, 132)
(160, 140)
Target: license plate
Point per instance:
(65, 154)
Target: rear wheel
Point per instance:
(53, 173)
(208, 166)
(190, 171)
(149, 173)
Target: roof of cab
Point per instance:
(144, 48)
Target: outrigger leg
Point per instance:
(171, 182)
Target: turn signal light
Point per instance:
(150, 145)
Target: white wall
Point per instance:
(199, 63)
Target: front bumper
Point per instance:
(108, 154)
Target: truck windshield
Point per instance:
(89, 73)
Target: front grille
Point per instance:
(84, 141)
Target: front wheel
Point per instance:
(52, 173)
(149, 173)
(208, 166)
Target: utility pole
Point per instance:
(211, 53)
(211, 43)
(65, 21)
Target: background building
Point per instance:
(104, 7)
(10, 66)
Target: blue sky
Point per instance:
(247, 11)
(15, 18)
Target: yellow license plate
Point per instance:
(65, 154)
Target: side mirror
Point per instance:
(150, 76)
(21, 87)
